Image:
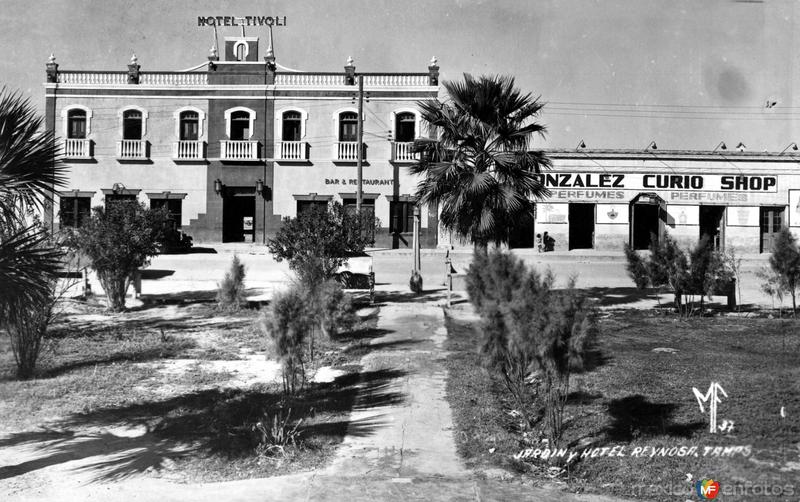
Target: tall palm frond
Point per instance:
(480, 170)
(27, 265)
(29, 164)
(29, 173)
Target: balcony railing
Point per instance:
(293, 150)
(77, 148)
(346, 151)
(402, 151)
(188, 150)
(135, 149)
(238, 150)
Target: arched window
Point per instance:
(405, 127)
(189, 126)
(77, 121)
(240, 51)
(132, 124)
(76, 124)
(292, 126)
(240, 125)
(348, 126)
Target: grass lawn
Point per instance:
(172, 375)
(636, 398)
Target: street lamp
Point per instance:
(218, 186)
(260, 187)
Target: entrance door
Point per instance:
(712, 224)
(521, 234)
(644, 224)
(581, 226)
(238, 217)
(771, 223)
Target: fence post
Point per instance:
(372, 288)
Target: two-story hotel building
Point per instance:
(232, 149)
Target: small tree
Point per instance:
(230, 292)
(318, 241)
(785, 262)
(529, 326)
(287, 325)
(118, 241)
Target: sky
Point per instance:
(686, 74)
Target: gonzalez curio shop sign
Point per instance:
(686, 188)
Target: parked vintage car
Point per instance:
(356, 272)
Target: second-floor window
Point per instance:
(132, 124)
(405, 127)
(292, 122)
(240, 126)
(348, 126)
(76, 124)
(189, 126)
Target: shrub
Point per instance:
(785, 263)
(27, 324)
(700, 271)
(275, 433)
(318, 241)
(230, 292)
(771, 285)
(119, 240)
(333, 308)
(288, 325)
(528, 326)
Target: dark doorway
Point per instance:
(238, 216)
(581, 226)
(644, 223)
(712, 224)
(771, 223)
(520, 235)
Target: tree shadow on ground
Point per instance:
(153, 274)
(172, 348)
(430, 295)
(634, 416)
(211, 422)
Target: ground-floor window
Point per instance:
(772, 220)
(308, 205)
(367, 207)
(174, 207)
(74, 211)
(401, 217)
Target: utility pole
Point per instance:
(360, 146)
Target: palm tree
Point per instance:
(480, 170)
(29, 173)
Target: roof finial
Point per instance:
(134, 59)
(212, 52)
(434, 61)
(52, 58)
(270, 51)
(350, 61)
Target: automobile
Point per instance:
(356, 272)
